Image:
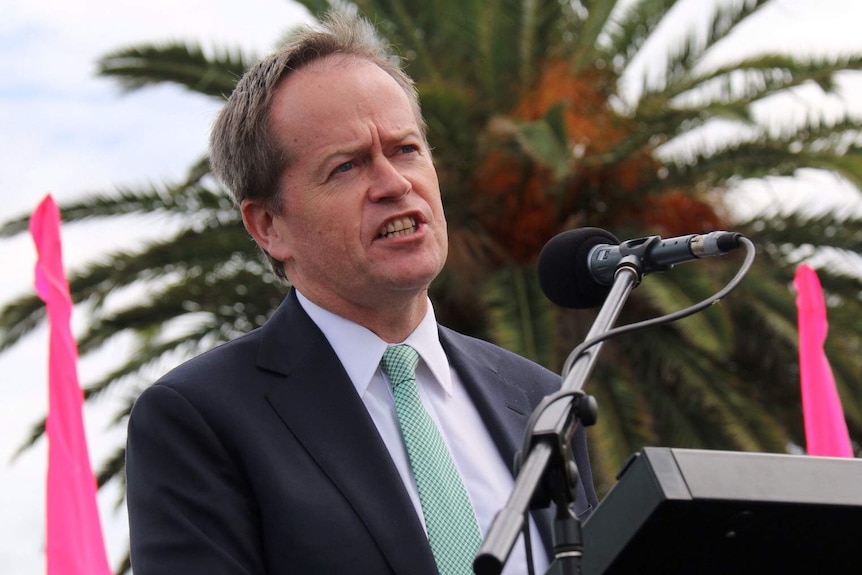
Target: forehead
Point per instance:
(337, 99)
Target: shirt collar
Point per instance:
(360, 350)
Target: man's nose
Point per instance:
(388, 182)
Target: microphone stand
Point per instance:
(548, 472)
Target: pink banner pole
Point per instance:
(825, 428)
(74, 535)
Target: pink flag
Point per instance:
(825, 428)
(74, 534)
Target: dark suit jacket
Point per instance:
(259, 457)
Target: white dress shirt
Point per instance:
(486, 476)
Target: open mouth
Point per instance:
(400, 227)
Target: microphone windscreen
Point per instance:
(564, 272)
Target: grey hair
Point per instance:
(244, 153)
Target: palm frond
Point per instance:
(188, 196)
(586, 46)
(684, 60)
(759, 158)
(710, 331)
(520, 315)
(182, 63)
(753, 79)
(627, 32)
(408, 29)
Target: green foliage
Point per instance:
(184, 64)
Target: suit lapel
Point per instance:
(319, 404)
(503, 406)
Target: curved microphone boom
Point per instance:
(577, 267)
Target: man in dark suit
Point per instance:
(282, 451)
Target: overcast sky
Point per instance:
(64, 131)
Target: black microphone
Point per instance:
(576, 268)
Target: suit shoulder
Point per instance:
(227, 362)
(490, 350)
(505, 363)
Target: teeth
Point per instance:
(399, 227)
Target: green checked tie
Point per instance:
(449, 519)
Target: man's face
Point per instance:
(362, 220)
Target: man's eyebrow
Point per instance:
(346, 151)
(341, 150)
(349, 150)
(407, 134)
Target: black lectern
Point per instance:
(678, 511)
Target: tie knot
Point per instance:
(399, 363)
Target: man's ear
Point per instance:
(267, 229)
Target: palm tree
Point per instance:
(534, 134)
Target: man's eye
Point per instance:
(409, 148)
(341, 168)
